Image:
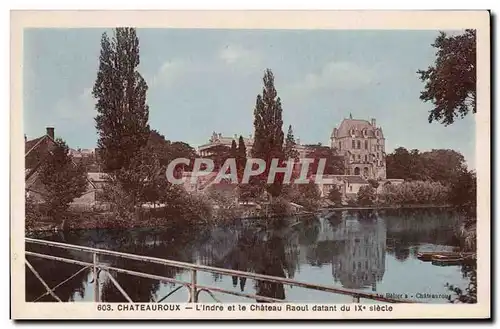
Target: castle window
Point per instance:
(353, 144)
(366, 145)
(359, 144)
(340, 145)
(366, 158)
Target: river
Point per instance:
(371, 251)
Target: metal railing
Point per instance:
(194, 289)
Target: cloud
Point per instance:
(236, 54)
(167, 73)
(334, 75)
(76, 109)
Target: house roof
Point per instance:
(349, 126)
(30, 147)
(32, 159)
(32, 144)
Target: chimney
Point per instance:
(373, 122)
(50, 132)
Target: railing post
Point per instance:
(355, 298)
(96, 279)
(194, 295)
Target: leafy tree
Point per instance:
(451, 83)
(158, 145)
(241, 157)
(307, 195)
(366, 195)
(32, 213)
(334, 164)
(63, 180)
(234, 149)
(438, 165)
(268, 122)
(220, 153)
(374, 183)
(443, 165)
(182, 150)
(251, 191)
(463, 192)
(335, 195)
(290, 151)
(120, 90)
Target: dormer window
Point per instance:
(365, 133)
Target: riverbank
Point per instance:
(426, 206)
(107, 220)
(78, 220)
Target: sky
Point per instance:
(203, 80)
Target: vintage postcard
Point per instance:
(250, 164)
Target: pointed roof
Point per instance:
(347, 125)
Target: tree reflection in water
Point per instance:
(354, 245)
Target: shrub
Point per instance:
(414, 192)
(335, 195)
(280, 207)
(366, 195)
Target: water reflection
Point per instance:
(361, 263)
(350, 246)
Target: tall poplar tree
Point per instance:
(234, 149)
(290, 151)
(268, 122)
(241, 158)
(120, 91)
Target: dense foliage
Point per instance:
(451, 83)
(120, 91)
(269, 137)
(414, 193)
(366, 195)
(63, 180)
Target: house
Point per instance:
(94, 188)
(328, 182)
(36, 152)
(352, 185)
(348, 185)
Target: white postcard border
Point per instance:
(423, 20)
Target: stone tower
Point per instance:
(363, 145)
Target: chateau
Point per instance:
(219, 139)
(363, 145)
